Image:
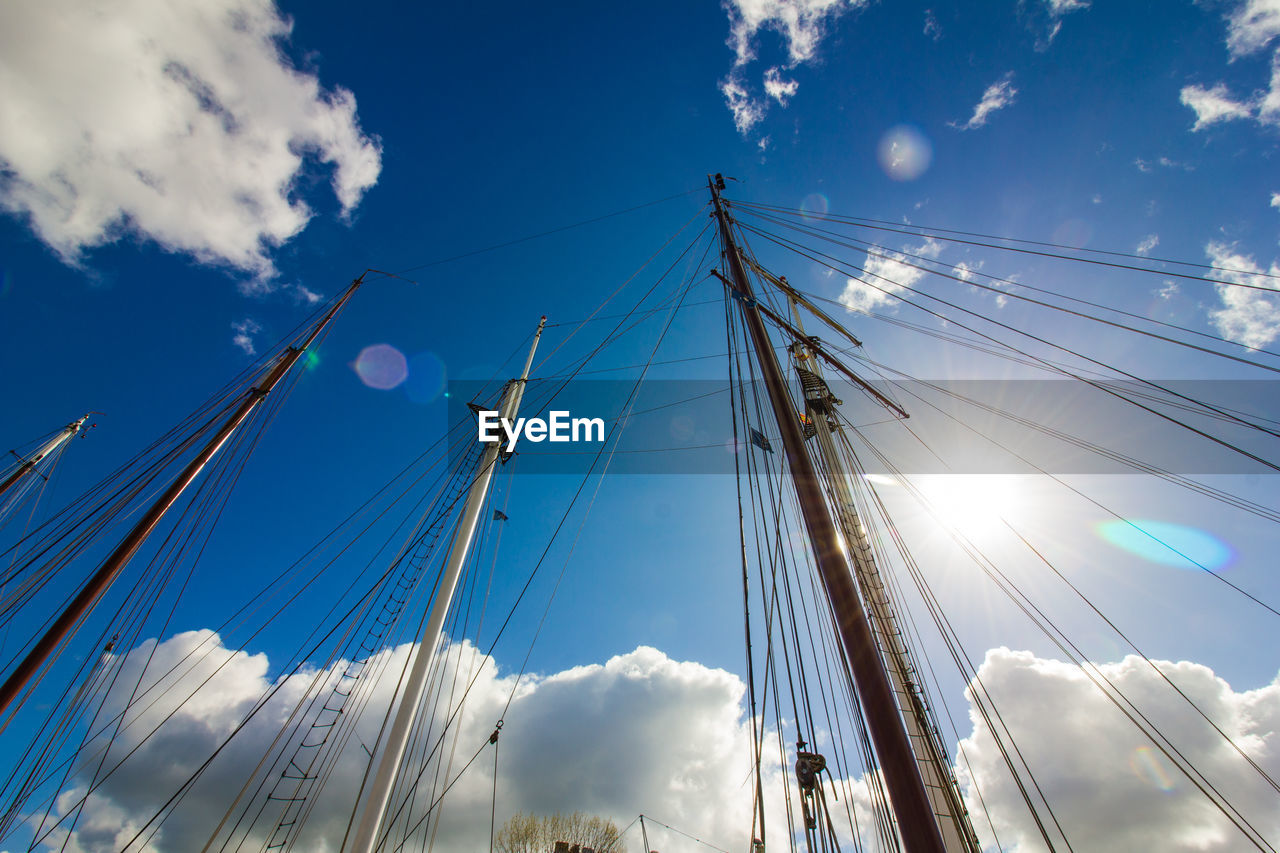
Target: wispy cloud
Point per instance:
(183, 124)
(244, 331)
(777, 88)
(1214, 105)
(747, 111)
(1045, 17)
(801, 25)
(885, 275)
(1146, 244)
(1253, 26)
(304, 295)
(997, 96)
(1164, 163)
(1246, 316)
(931, 27)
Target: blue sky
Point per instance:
(180, 189)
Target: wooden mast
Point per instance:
(907, 795)
(935, 768)
(119, 558)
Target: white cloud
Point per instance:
(1168, 290)
(931, 28)
(1164, 162)
(1046, 16)
(1213, 105)
(180, 123)
(1146, 244)
(1247, 316)
(305, 295)
(244, 331)
(997, 96)
(747, 111)
(886, 274)
(1110, 788)
(1275, 200)
(777, 88)
(799, 22)
(1253, 26)
(641, 732)
(800, 25)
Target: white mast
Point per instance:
(379, 798)
(28, 465)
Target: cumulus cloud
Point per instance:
(639, 732)
(1110, 788)
(885, 275)
(180, 123)
(643, 732)
(1146, 244)
(800, 24)
(1247, 316)
(997, 96)
(1275, 200)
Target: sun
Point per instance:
(976, 505)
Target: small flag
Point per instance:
(759, 440)
(499, 515)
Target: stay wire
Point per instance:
(966, 277)
(1149, 383)
(1051, 631)
(1070, 257)
(559, 230)
(1100, 386)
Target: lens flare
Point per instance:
(1168, 544)
(1148, 767)
(310, 361)
(381, 366)
(427, 378)
(814, 206)
(905, 153)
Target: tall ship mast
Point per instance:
(372, 724)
